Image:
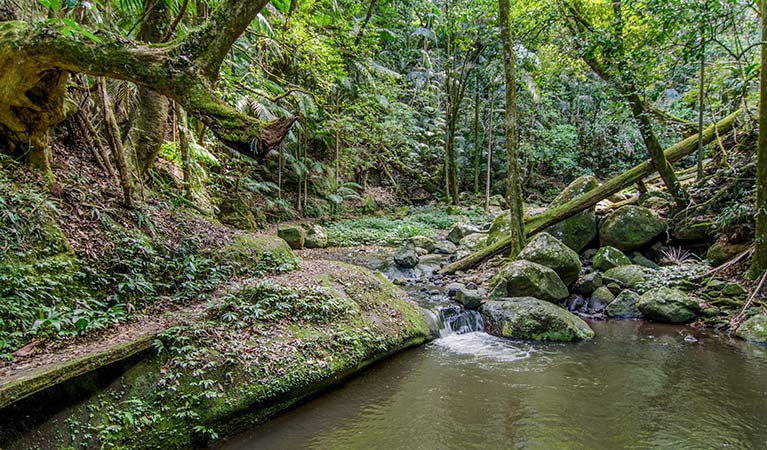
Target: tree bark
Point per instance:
(151, 123)
(477, 147)
(513, 188)
(36, 57)
(183, 143)
(489, 151)
(552, 216)
(759, 261)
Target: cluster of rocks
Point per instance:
(303, 235)
(615, 280)
(462, 239)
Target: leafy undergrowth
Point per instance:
(389, 231)
(267, 344)
(74, 264)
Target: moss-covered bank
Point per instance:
(266, 346)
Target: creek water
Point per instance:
(637, 385)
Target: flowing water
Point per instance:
(637, 385)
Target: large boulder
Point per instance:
(549, 251)
(294, 235)
(460, 230)
(624, 306)
(444, 247)
(630, 228)
(627, 276)
(530, 318)
(668, 305)
(316, 237)
(406, 257)
(580, 229)
(754, 329)
(522, 278)
(608, 257)
(469, 298)
(723, 251)
(473, 242)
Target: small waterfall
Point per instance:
(456, 320)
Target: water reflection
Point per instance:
(636, 386)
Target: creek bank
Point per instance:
(262, 347)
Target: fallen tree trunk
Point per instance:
(539, 222)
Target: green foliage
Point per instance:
(389, 232)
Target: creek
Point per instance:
(637, 385)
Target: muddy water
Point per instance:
(636, 385)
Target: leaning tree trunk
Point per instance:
(514, 188)
(35, 59)
(655, 151)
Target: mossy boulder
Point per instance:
(723, 251)
(460, 230)
(754, 329)
(580, 229)
(473, 242)
(228, 375)
(694, 229)
(668, 305)
(608, 257)
(522, 278)
(423, 242)
(316, 237)
(499, 228)
(294, 235)
(627, 276)
(630, 228)
(259, 253)
(600, 299)
(588, 283)
(549, 251)
(624, 306)
(533, 319)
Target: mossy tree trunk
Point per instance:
(759, 262)
(35, 59)
(514, 187)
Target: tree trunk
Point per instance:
(701, 97)
(759, 261)
(514, 188)
(183, 143)
(655, 151)
(489, 150)
(539, 222)
(116, 145)
(152, 106)
(477, 147)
